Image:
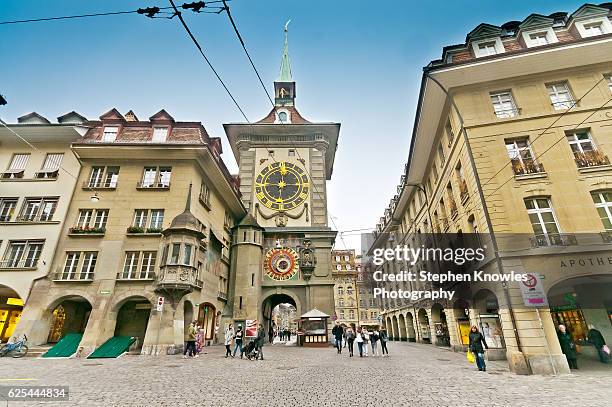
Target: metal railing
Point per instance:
(526, 167)
(99, 184)
(222, 295)
(153, 185)
(593, 158)
(136, 276)
(72, 275)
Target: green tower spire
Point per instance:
(285, 70)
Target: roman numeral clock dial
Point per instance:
(282, 186)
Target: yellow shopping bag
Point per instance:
(470, 357)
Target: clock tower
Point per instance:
(281, 251)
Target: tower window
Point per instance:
(291, 153)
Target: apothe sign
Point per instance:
(533, 292)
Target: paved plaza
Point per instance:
(415, 374)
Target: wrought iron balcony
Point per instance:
(553, 239)
(47, 174)
(153, 185)
(463, 191)
(222, 296)
(606, 236)
(99, 184)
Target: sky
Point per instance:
(355, 62)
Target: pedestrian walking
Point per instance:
(259, 341)
(359, 340)
(337, 332)
(568, 347)
(288, 335)
(190, 340)
(366, 340)
(383, 342)
(477, 345)
(238, 336)
(229, 336)
(350, 339)
(374, 337)
(199, 340)
(597, 340)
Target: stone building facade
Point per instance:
(151, 217)
(36, 184)
(511, 144)
(344, 272)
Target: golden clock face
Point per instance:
(281, 263)
(282, 186)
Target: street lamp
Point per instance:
(2, 100)
(95, 197)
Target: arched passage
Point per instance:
(132, 319)
(489, 323)
(68, 314)
(11, 307)
(424, 326)
(390, 331)
(582, 302)
(410, 327)
(187, 315)
(280, 311)
(402, 328)
(438, 318)
(207, 319)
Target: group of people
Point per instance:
(194, 340)
(593, 337)
(477, 346)
(345, 337)
(282, 334)
(237, 338)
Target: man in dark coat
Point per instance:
(259, 341)
(338, 332)
(568, 347)
(596, 339)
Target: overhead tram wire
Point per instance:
(111, 13)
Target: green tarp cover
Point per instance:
(113, 348)
(66, 347)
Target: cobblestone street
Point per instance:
(413, 375)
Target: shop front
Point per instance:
(11, 307)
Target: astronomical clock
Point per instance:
(281, 263)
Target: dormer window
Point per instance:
(490, 46)
(593, 29)
(283, 116)
(110, 134)
(539, 38)
(487, 48)
(160, 134)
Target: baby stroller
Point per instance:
(251, 350)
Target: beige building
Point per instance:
(36, 184)
(151, 217)
(510, 144)
(369, 311)
(344, 272)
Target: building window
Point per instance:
(542, 220)
(17, 166)
(364, 315)
(560, 95)
(156, 177)
(341, 314)
(157, 219)
(140, 218)
(593, 29)
(187, 254)
(441, 155)
(79, 266)
(227, 220)
(372, 302)
(585, 152)
(540, 38)
(609, 80)
(92, 219)
(291, 153)
(521, 157)
(603, 203)
(339, 267)
(130, 265)
(205, 194)
(110, 134)
(349, 290)
(38, 209)
(174, 257)
(159, 134)
(340, 291)
(503, 104)
(351, 314)
(337, 258)
(51, 166)
(22, 253)
(341, 302)
(348, 267)
(7, 209)
(103, 177)
(487, 48)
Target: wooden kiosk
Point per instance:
(312, 331)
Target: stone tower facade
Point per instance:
(282, 248)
